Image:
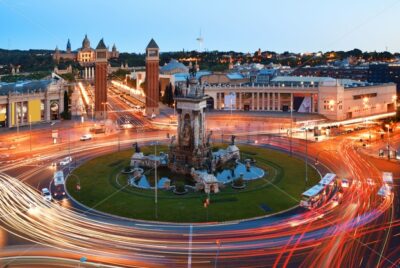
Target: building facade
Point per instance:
(336, 99)
(85, 55)
(28, 102)
(385, 73)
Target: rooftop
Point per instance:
(101, 45)
(152, 44)
(173, 65)
(24, 87)
(181, 77)
(235, 76)
(316, 81)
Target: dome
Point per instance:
(174, 66)
(86, 42)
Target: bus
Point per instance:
(59, 190)
(385, 191)
(58, 178)
(387, 177)
(318, 194)
(313, 197)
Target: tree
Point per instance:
(66, 114)
(168, 97)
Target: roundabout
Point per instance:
(105, 187)
(293, 238)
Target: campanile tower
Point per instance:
(152, 78)
(100, 84)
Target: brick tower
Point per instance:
(152, 78)
(100, 82)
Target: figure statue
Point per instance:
(233, 137)
(173, 138)
(137, 149)
(209, 138)
(186, 132)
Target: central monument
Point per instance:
(192, 148)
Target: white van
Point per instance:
(59, 178)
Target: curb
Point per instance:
(231, 222)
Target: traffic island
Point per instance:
(105, 188)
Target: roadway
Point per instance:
(360, 231)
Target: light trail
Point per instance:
(134, 91)
(338, 235)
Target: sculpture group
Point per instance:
(190, 152)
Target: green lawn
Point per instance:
(279, 190)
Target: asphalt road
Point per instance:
(362, 230)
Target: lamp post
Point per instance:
(155, 180)
(119, 139)
(218, 242)
(17, 122)
(92, 112)
(104, 109)
(306, 178)
(30, 133)
(231, 106)
(388, 140)
(291, 124)
(365, 103)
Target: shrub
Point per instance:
(239, 182)
(180, 187)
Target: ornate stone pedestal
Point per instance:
(192, 148)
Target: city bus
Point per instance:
(318, 194)
(313, 197)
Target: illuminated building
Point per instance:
(336, 99)
(27, 102)
(86, 56)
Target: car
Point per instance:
(66, 161)
(46, 194)
(345, 183)
(370, 182)
(59, 192)
(86, 137)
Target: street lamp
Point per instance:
(218, 242)
(155, 180)
(306, 177)
(291, 124)
(92, 112)
(119, 132)
(30, 133)
(388, 140)
(104, 109)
